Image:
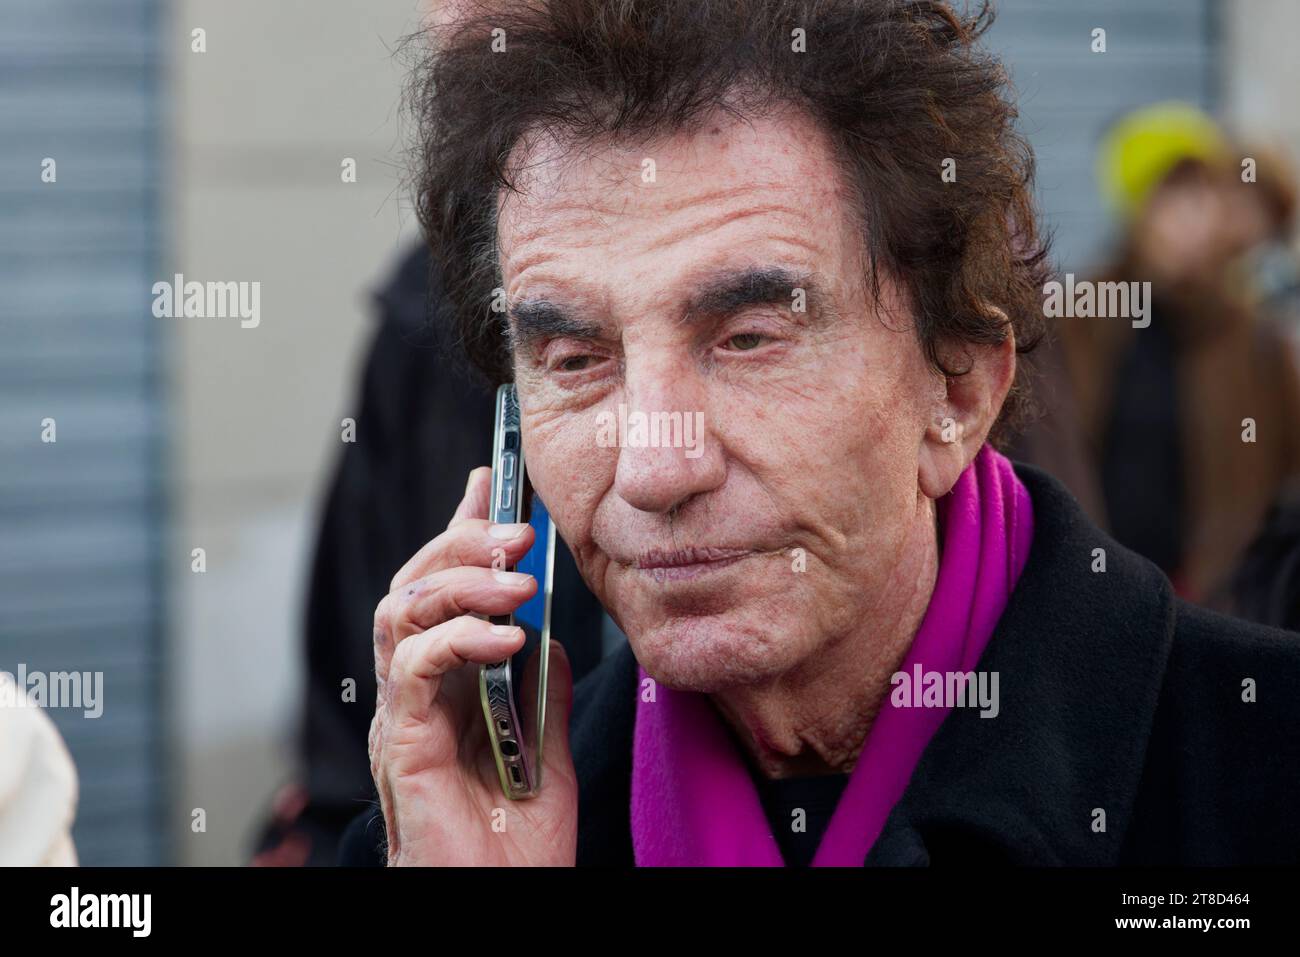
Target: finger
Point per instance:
(467, 508)
(420, 662)
(478, 496)
(428, 602)
(465, 590)
(470, 542)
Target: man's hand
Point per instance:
(429, 750)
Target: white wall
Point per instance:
(262, 121)
(1261, 68)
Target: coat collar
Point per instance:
(600, 737)
(1080, 656)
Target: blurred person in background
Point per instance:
(1164, 408)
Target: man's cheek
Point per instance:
(560, 460)
(572, 497)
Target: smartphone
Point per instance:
(516, 749)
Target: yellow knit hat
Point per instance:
(1141, 148)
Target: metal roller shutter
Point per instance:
(80, 518)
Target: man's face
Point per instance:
(774, 535)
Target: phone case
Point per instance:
(519, 766)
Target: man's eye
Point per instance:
(745, 341)
(575, 363)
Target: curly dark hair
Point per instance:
(900, 86)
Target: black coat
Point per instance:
(1115, 696)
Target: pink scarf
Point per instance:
(693, 801)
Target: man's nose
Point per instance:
(668, 454)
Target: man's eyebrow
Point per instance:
(534, 319)
(752, 286)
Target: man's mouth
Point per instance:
(681, 564)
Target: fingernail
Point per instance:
(507, 531)
(511, 578)
(504, 629)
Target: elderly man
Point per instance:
(807, 224)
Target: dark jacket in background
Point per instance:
(423, 422)
(1122, 736)
(1162, 410)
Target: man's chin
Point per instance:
(708, 654)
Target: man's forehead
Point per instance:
(782, 161)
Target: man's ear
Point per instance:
(965, 412)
